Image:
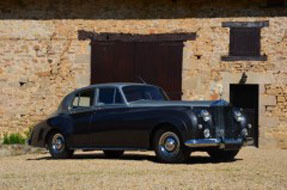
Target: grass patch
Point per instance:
(17, 138)
(14, 138)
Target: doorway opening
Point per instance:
(246, 96)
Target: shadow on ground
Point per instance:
(136, 157)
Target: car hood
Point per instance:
(155, 103)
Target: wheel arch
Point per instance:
(49, 133)
(61, 124)
(165, 125)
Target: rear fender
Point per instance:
(42, 130)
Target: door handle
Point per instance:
(98, 108)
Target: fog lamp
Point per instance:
(206, 133)
(244, 132)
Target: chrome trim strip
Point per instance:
(213, 142)
(202, 142)
(232, 141)
(108, 148)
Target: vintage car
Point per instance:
(117, 117)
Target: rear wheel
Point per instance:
(113, 153)
(57, 146)
(222, 155)
(168, 147)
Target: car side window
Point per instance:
(83, 99)
(108, 96)
(118, 97)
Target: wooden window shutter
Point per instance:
(276, 3)
(244, 42)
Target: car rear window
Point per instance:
(84, 99)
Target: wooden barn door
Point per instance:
(112, 62)
(158, 63)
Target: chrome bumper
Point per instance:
(217, 142)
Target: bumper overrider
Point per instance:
(218, 142)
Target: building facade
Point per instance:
(204, 49)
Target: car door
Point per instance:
(81, 114)
(109, 126)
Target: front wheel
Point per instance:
(222, 155)
(57, 146)
(168, 147)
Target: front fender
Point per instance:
(184, 122)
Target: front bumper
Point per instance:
(220, 143)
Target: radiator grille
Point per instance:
(224, 124)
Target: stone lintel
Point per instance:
(257, 24)
(94, 36)
(244, 58)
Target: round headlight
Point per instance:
(205, 115)
(238, 116)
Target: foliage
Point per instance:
(14, 138)
(17, 138)
(28, 132)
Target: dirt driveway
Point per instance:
(252, 169)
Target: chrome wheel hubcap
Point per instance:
(58, 143)
(169, 144)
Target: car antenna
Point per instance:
(141, 79)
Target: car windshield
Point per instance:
(138, 93)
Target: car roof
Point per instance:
(65, 102)
(114, 84)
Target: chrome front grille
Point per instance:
(225, 126)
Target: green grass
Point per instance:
(14, 138)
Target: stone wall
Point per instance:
(41, 58)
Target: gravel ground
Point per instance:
(252, 169)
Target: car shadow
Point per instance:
(138, 157)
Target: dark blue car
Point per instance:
(117, 117)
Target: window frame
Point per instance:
(113, 104)
(78, 94)
(278, 4)
(235, 48)
(159, 88)
(256, 26)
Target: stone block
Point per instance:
(267, 100)
(82, 58)
(268, 122)
(252, 78)
(82, 80)
(281, 99)
(191, 83)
